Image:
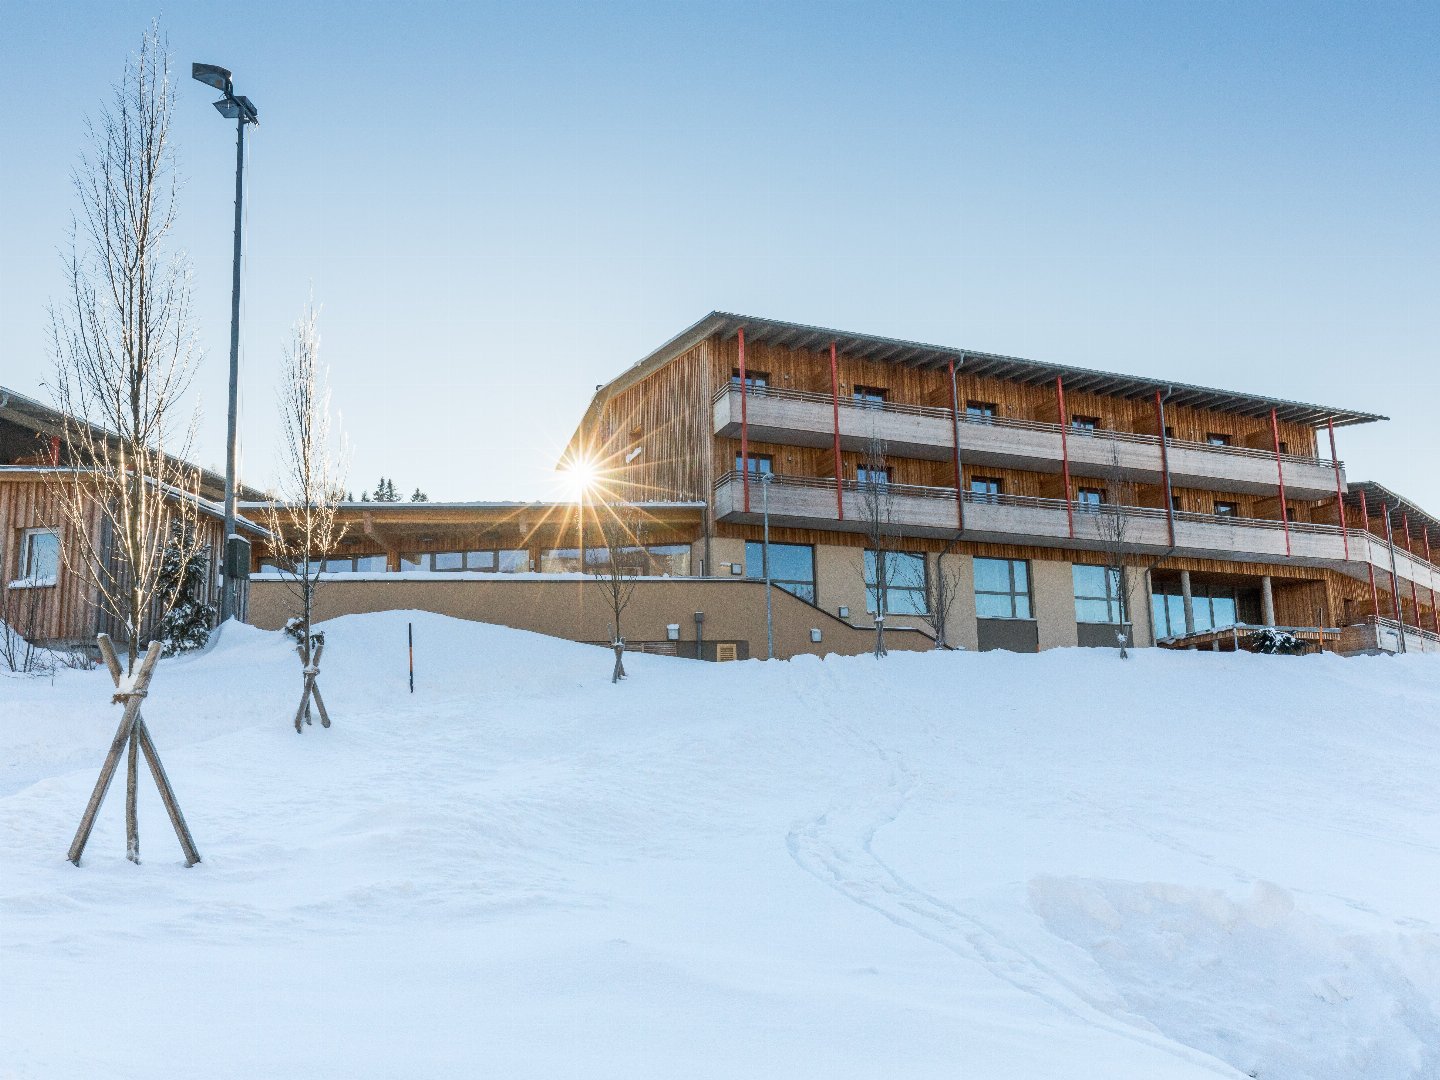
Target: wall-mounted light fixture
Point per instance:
(672, 631)
(737, 568)
(844, 612)
(815, 634)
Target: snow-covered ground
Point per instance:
(957, 866)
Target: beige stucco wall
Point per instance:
(1053, 592)
(568, 608)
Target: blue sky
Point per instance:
(500, 206)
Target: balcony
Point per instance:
(815, 503)
(800, 418)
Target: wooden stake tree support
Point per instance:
(312, 669)
(132, 731)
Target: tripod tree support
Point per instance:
(132, 731)
(312, 669)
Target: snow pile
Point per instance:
(957, 865)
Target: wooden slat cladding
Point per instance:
(667, 418)
(65, 611)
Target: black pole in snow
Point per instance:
(410, 632)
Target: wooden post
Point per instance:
(311, 669)
(1414, 589)
(1280, 474)
(1369, 561)
(1065, 452)
(1434, 612)
(955, 436)
(132, 730)
(744, 429)
(1165, 467)
(835, 407)
(1339, 491)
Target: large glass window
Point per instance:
(485, 561)
(1214, 606)
(904, 585)
(872, 475)
(758, 463)
(792, 567)
(1084, 424)
(986, 488)
(873, 396)
(1089, 499)
(980, 410)
(754, 380)
(1097, 594)
(1002, 588)
(40, 556)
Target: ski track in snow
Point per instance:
(836, 848)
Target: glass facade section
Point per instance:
(1097, 594)
(792, 567)
(904, 587)
(1002, 588)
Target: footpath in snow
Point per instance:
(938, 865)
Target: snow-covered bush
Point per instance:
(1276, 643)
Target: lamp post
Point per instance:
(765, 567)
(242, 111)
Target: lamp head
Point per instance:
(211, 75)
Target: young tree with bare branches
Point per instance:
(1114, 526)
(877, 512)
(941, 585)
(125, 351)
(301, 514)
(625, 560)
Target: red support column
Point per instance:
(1434, 612)
(955, 440)
(1165, 468)
(1369, 562)
(1065, 453)
(1414, 589)
(744, 429)
(1280, 473)
(835, 405)
(1339, 493)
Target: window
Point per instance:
(508, 562)
(1097, 594)
(370, 564)
(1169, 432)
(40, 556)
(448, 560)
(904, 584)
(872, 396)
(1216, 439)
(986, 488)
(1175, 503)
(1214, 607)
(1284, 447)
(1085, 424)
(754, 380)
(1089, 499)
(759, 463)
(1002, 588)
(980, 410)
(1227, 509)
(872, 476)
(792, 567)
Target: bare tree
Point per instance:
(124, 351)
(623, 549)
(301, 514)
(877, 513)
(1113, 526)
(21, 609)
(941, 585)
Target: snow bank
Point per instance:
(938, 865)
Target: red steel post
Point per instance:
(1369, 562)
(1414, 590)
(1065, 453)
(1434, 612)
(1165, 468)
(744, 429)
(835, 405)
(955, 442)
(1280, 473)
(1339, 493)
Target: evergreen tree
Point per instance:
(186, 626)
(385, 491)
(419, 496)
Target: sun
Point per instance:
(580, 478)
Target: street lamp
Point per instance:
(242, 111)
(765, 478)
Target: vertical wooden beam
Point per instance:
(1339, 491)
(835, 409)
(1394, 574)
(1065, 452)
(1280, 475)
(1369, 560)
(744, 429)
(1165, 467)
(955, 437)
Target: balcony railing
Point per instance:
(818, 502)
(808, 419)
